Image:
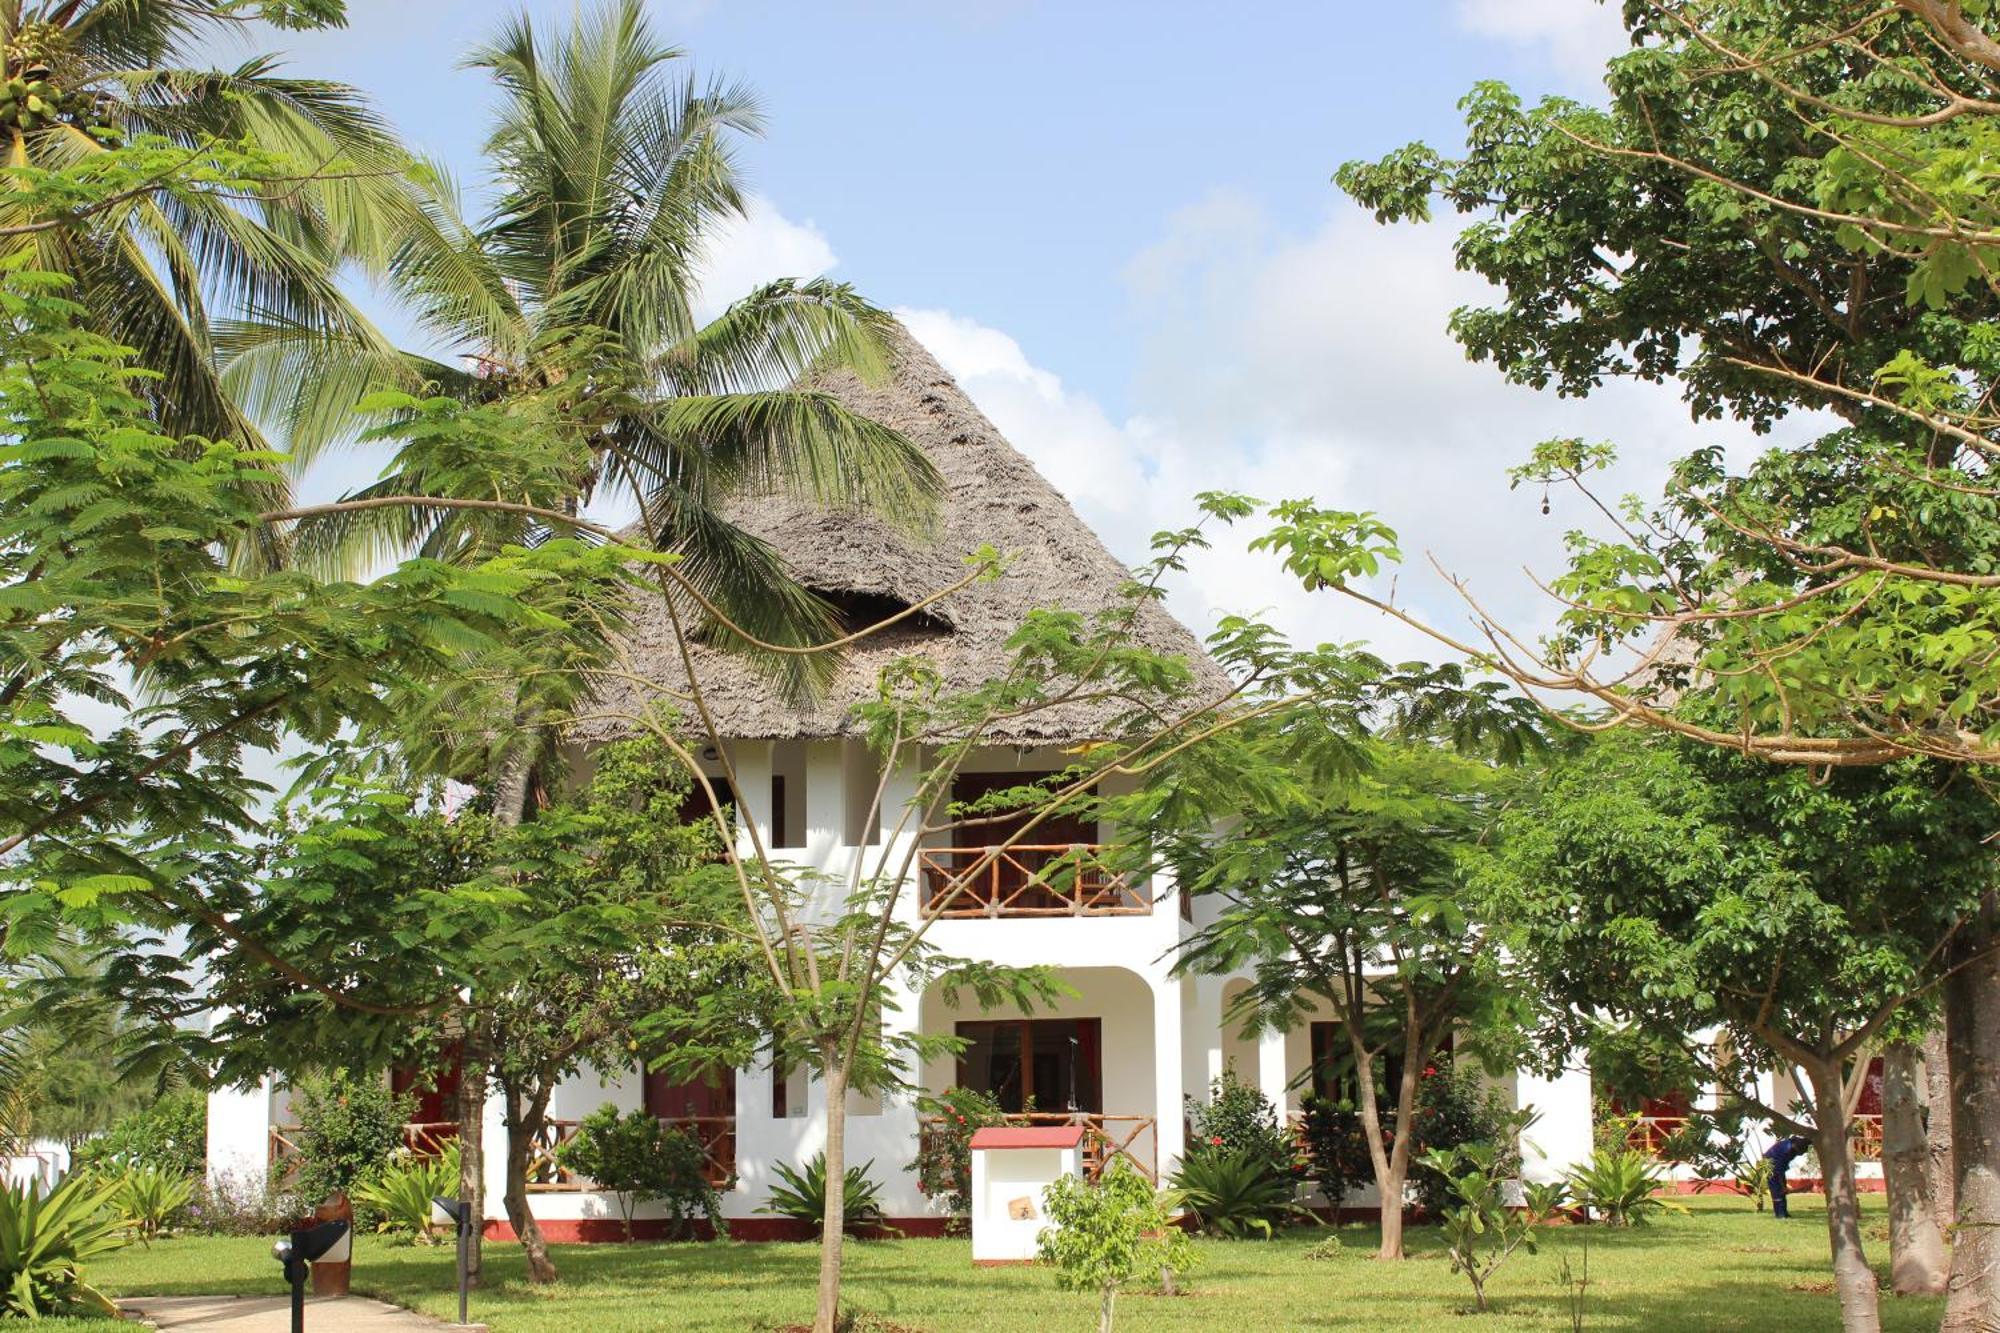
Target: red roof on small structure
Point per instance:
(1029, 1136)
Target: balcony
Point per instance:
(1043, 880)
(715, 1133)
(1106, 1138)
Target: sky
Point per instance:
(1114, 224)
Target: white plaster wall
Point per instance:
(239, 1136)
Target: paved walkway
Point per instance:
(273, 1314)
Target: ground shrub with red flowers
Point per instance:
(944, 1147)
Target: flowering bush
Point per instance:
(944, 1149)
(1454, 1109)
(1240, 1119)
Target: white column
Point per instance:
(1272, 1075)
(239, 1137)
(752, 762)
(493, 1143)
(1169, 1133)
(1561, 1138)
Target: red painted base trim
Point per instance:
(1003, 1263)
(1806, 1185)
(611, 1230)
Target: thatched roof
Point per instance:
(993, 496)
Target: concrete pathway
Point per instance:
(273, 1314)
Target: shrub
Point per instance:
(400, 1194)
(1234, 1192)
(944, 1148)
(1101, 1237)
(349, 1129)
(1480, 1231)
(45, 1239)
(1336, 1150)
(227, 1205)
(803, 1196)
(1617, 1186)
(152, 1200)
(1454, 1109)
(171, 1135)
(1239, 1118)
(637, 1158)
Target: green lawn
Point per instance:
(1723, 1267)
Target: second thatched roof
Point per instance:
(992, 496)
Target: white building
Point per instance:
(1122, 1055)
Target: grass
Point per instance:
(1723, 1266)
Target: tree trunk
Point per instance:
(1937, 1130)
(472, 1153)
(1391, 1162)
(521, 1127)
(1860, 1311)
(1916, 1246)
(1392, 1184)
(832, 1231)
(1972, 1032)
(1104, 1307)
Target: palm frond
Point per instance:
(805, 443)
(778, 335)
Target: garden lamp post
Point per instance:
(459, 1213)
(297, 1253)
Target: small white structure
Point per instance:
(1011, 1166)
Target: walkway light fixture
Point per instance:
(458, 1212)
(297, 1253)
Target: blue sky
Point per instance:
(1007, 159)
(1113, 223)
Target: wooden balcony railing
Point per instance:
(1650, 1133)
(1865, 1135)
(1106, 1138)
(422, 1138)
(715, 1133)
(1056, 879)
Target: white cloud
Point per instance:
(1316, 365)
(761, 245)
(1575, 37)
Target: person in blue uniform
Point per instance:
(1781, 1155)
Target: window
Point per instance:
(1333, 1067)
(1038, 1064)
(788, 1089)
(787, 824)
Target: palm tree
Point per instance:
(165, 272)
(572, 303)
(610, 174)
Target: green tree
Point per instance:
(1104, 1236)
(171, 273)
(140, 676)
(837, 953)
(1782, 207)
(523, 953)
(1668, 891)
(1339, 875)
